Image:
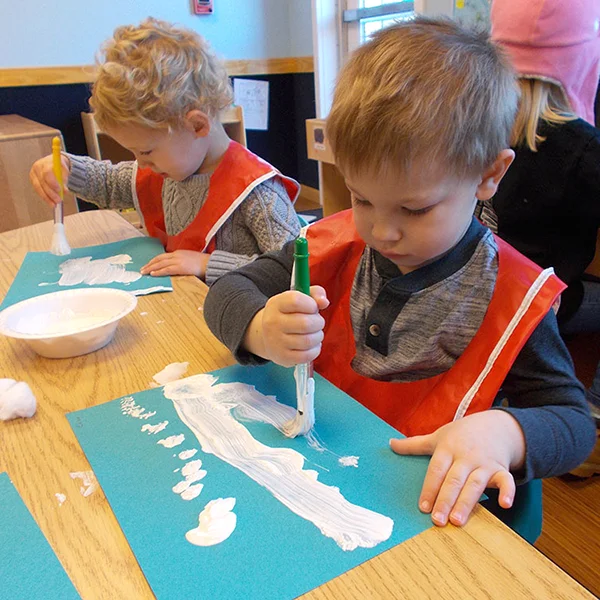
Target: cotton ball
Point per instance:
(16, 400)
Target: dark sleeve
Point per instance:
(586, 182)
(549, 404)
(235, 298)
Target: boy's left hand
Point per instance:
(467, 455)
(179, 262)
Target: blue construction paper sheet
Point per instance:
(28, 566)
(272, 553)
(43, 267)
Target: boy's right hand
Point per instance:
(289, 329)
(45, 183)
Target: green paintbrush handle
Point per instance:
(302, 276)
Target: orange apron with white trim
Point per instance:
(421, 407)
(238, 173)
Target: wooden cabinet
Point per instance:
(334, 194)
(22, 142)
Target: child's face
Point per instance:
(177, 154)
(412, 219)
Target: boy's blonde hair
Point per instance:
(540, 101)
(423, 90)
(153, 74)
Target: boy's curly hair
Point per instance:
(154, 73)
(423, 91)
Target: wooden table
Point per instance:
(482, 560)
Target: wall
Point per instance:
(69, 32)
(28, 37)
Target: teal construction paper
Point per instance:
(42, 267)
(29, 568)
(272, 553)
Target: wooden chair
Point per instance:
(22, 142)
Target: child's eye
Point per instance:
(416, 213)
(146, 152)
(360, 201)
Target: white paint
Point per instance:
(192, 467)
(192, 492)
(349, 461)
(61, 498)
(188, 488)
(63, 321)
(152, 290)
(129, 407)
(16, 400)
(143, 314)
(88, 480)
(304, 419)
(159, 322)
(171, 372)
(186, 454)
(153, 429)
(97, 271)
(209, 411)
(59, 245)
(215, 523)
(172, 441)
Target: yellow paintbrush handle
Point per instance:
(56, 164)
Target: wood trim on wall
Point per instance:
(28, 76)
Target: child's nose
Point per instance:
(386, 230)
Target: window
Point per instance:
(340, 26)
(369, 16)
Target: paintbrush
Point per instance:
(304, 420)
(60, 245)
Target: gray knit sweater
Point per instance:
(265, 221)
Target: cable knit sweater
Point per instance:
(265, 221)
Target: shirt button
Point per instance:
(374, 330)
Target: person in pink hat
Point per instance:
(548, 204)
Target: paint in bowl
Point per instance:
(67, 323)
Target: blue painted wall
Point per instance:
(69, 32)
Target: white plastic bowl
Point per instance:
(67, 323)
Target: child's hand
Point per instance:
(45, 183)
(179, 262)
(468, 455)
(289, 329)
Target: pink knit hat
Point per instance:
(556, 40)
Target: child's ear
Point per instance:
(492, 175)
(197, 122)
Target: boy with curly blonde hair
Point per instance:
(418, 311)
(212, 203)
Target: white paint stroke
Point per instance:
(171, 372)
(97, 271)
(215, 523)
(349, 461)
(154, 429)
(61, 498)
(186, 454)
(209, 410)
(172, 441)
(192, 492)
(129, 407)
(89, 481)
(188, 488)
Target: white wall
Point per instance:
(37, 33)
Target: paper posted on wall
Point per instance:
(253, 96)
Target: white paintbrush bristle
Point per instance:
(304, 419)
(60, 245)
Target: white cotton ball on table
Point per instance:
(16, 400)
